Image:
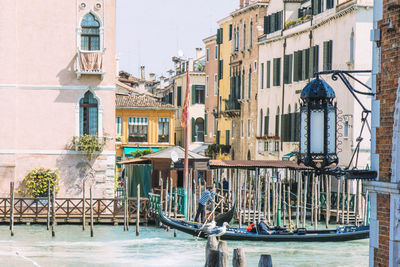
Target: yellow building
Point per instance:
(142, 122)
(224, 121)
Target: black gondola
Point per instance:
(346, 233)
(226, 217)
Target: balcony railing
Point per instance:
(90, 63)
(232, 107)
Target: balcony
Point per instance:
(89, 63)
(232, 108)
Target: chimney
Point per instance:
(199, 52)
(152, 76)
(246, 2)
(241, 3)
(142, 73)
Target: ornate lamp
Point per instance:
(317, 126)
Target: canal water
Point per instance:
(111, 246)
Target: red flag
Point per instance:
(185, 111)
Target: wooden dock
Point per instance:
(70, 210)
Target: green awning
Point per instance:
(128, 150)
(289, 155)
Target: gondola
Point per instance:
(345, 233)
(226, 217)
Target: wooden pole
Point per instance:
(223, 254)
(265, 194)
(366, 208)
(83, 206)
(348, 202)
(255, 195)
(298, 197)
(53, 206)
(245, 197)
(312, 182)
(305, 200)
(337, 199)
(274, 202)
(239, 258)
(161, 193)
(239, 204)
(279, 203)
(166, 195)
(176, 207)
(343, 198)
(91, 211)
(48, 204)
(265, 261)
(326, 180)
(316, 202)
(12, 208)
(212, 244)
(289, 205)
(269, 198)
(138, 210)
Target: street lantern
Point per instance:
(317, 125)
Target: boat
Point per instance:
(346, 233)
(226, 217)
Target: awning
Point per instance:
(128, 150)
(288, 156)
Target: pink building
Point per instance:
(57, 82)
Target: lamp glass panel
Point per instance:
(317, 132)
(331, 130)
(303, 130)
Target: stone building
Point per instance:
(298, 41)
(57, 83)
(211, 95)
(247, 23)
(385, 141)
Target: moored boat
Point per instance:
(346, 233)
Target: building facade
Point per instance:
(61, 95)
(385, 192)
(298, 41)
(196, 104)
(211, 94)
(242, 103)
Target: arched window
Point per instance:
(249, 92)
(90, 36)
(251, 34)
(88, 114)
(198, 130)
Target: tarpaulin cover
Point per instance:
(138, 174)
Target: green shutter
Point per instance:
(295, 66)
(330, 54)
(193, 94)
(314, 6)
(316, 58)
(206, 124)
(218, 36)
(277, 125)
(325, 58)
(227, 137)
(193, 129)
(273, 19)
(290, 68)
(285, 69)
(266, 125)
(311, 63)
(268, 74)
(303, 64)
(221, 38)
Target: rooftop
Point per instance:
(140, 102)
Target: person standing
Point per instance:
(205, 197)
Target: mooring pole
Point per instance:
(138, 210)
(12, 208)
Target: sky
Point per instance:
(151, 32)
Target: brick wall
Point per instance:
(387, 83)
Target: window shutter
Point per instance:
(279, 20)
(266, 125)
(206, 124)
(303, 64)
(193, 94)
(268, 74)
(295, 66)
(277, 125)
(314, 6)
(283, 130)
(230, 32)
(292, 127)
(221, 38)
(316, 58)
(179, 96)
(218, 36)
(330, 54)
(311, 63)
(297, 127)
(237, 82)
(285, 69)
(325, 59)
(227, 137)
(279, 72)
(290, 68)
(266, 24)
(273, 18)
(193, 129)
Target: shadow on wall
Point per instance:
(74, 169)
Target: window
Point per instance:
(314, 57)
(316, 6)
(261, 122)
(208, 54)
(242, 129)
(88, 115)
(273, 22)
(206, 124)
(227, 137)
(327, 62)
(243, 83)
(287, 69)
(277, 122)
(138, 129)
(266, 123)
(249, 91)
(268, 74)
(215, 84)
(163, 130)
(198, 130)
(220, 36)
(220, 69)
(346, 129)
(251, 34)
(215, 126)
(118, 125)
(277, 72)
(248, 128)
(230, 32)
(262, 75)
(216, 52)
(351, 59)
(179, 97)
(90, 36)
(329, 4)
(244, 37)
(198, 94)
(207, 85)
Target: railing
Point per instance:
(155, 202)
(71, 209)
(90, 62)
(231, 104)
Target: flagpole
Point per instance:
(186, 163)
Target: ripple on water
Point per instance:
(111, 246)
